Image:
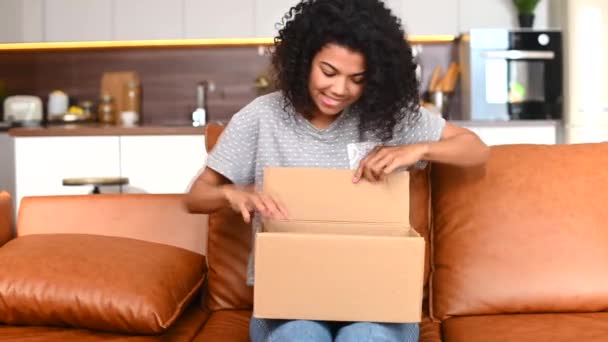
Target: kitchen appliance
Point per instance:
(57, 105)
(23, 110)
(511, 74)
(199, 116)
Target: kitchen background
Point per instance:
(184, 54)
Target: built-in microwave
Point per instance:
(511, 74)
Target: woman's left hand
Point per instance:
(383, 160)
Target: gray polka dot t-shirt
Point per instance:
(263, 134)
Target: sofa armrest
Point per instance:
(6, 218)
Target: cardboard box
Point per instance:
(347, 253)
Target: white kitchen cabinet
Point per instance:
(430, 17)
(31, 21)
(504, 135)
(486, 14)
(396, 6)
(267, 13)
(148, 19)
(223, 19)
(161, 164)
(10, 23)
(41, 163)
(77, 20)
(495, 14)
(21, 21)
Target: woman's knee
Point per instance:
(385, 332)
(297, 330)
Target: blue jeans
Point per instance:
(276, 330)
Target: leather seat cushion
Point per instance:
(226, 325)
(96, 282)
(184, 329)
(566, 327)
(6, 212)
(527, 233)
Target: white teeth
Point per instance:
(332, 102)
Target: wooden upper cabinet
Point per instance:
(219, 19)
(268, 13)
(77, 20)
(147, 19)
(430, 17)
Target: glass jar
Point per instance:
(87, 110)
(107, 111)
(131, 97)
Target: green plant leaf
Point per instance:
(525, 6)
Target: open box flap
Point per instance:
(329, 195)
(341, 228)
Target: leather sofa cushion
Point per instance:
(588, 327)
(6, 214)
(183, 330)
(149, 217)
(229, 243)
(96, 282)
(430, 331)
(526, 234)
(226, 325)
(228, 246)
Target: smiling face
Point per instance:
(336, 81)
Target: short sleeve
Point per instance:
(234, 154)
(427, 127)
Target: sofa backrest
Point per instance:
(527, 233)
(150, 217)
(229, 242)
(6, 214)
(228, 245)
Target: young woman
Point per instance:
(346, 77)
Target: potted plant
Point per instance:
(525, 11)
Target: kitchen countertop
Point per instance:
(513, 123)
(101, 130)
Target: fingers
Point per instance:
(259, 204)
(266, 205)
(359, 172)
(245, 213)
(369, 175)
(372, 166)
(392, 166)
(274, 208)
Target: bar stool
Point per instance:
(96, 182)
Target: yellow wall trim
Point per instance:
(217, 42)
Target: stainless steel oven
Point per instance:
(511, 74)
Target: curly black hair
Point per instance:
(390, 92)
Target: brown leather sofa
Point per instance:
(150, 218)
(517, 251)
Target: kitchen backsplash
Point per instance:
(168, 76)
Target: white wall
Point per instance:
(586, 70)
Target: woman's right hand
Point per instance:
(246, 201)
